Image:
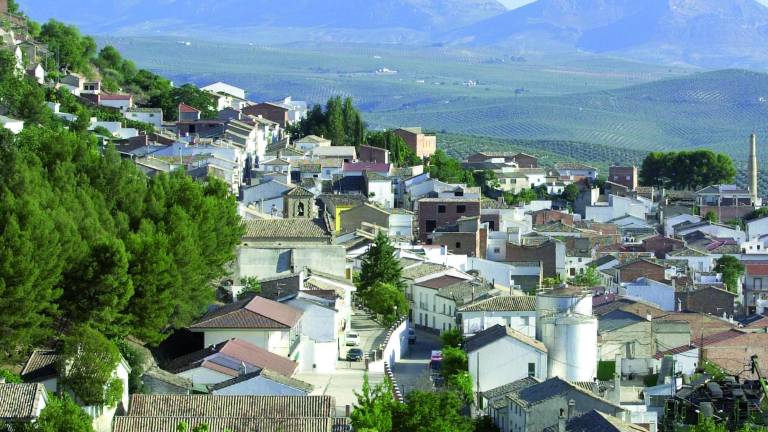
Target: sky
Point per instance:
(512, 4)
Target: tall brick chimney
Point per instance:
(4, 6)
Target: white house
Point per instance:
(669, 223)
(21, 402)
(270, 325)
(651, 291)
(153, 116)
(757, 228)
(13, 125)
(321, 325)
(309, 142)
(220, 87)
(500, 355)
(515, 312)
(436, 300)
(37, 72)
(379, 189)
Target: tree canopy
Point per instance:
(449, 170)
(686, 169)
(62, 414)
(731, 269)
(380, 265)
(399, 152)
(87, 363)
(340, 122)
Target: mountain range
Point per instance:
(708, 33)
(705, 33)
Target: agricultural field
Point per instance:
(585, 107)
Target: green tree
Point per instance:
(138, 360)
(686, 169)
(452, 338)
(449, 170)
(374, 408)
(9, 376)
(590, 278)
(431, 412)
(380, 266)
(387, 300)
(731, 269)
(189, 94)
(251, 285)
(461, 383)
(399, 152)
(73, 50)
(334, 113)
(570, 193)
(62, 414)
(454, 362)
(87, 363)
(485, 424)
(99, 288)
(711, 216)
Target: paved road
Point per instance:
(371, 333)
(412, 371)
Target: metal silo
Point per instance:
(562, 301)
(581, 346)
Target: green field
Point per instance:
(581, 107)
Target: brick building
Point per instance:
(546, 216)
(711, 300)
(442, 212)
(642, 268)
(270, 112)
(468, 237)
(623, 175)
(422, 144)
(660, 246)
(372, 154)
(551, 255)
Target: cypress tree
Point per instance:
(380, 265)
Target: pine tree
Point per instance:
(380, 265)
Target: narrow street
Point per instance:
(412, 371)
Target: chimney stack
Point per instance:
(753, 166)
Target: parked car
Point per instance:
(355, 354)
(411, 336)
(353, 339)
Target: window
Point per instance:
(628, 178)
(458, 245)
(443, 308)
(430, 226)
(496, 250)
(441, 209)
(531, 369)
(461, 209)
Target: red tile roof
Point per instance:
(255, 313)
(187, 109)
(366, 166)
(228, 357)
(757, 269)
(105, 96)
(440, 282)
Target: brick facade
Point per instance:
(372, 154)
(543, 217)
(623, 175)
(545, 253)
(436, 213)
(661, 246)
(708, 300)
(270, 112)
(642, 268)
(423, 145)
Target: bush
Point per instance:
(651, 380)
(606, 370)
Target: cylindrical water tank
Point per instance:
(581, 346)
(561, 301)
(557, 353)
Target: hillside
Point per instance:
(714, 110)
(255, 19)
(708, 33)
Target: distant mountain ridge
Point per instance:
(143, 16)
(708, 33)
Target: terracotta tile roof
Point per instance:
(105, 96)
(502, 303)
(187, 109)
(757, 269)
(679, 350)
(366, 166)
(228, 358)
(440, 282)
(421, 270)
(231, 406)
(41, 364)
(20, 401)
(219, 424)
(261, 229)
(253, 313)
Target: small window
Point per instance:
(461, 209)
(531, 369)
(441, 209)
(458, 245)
(496, 250)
